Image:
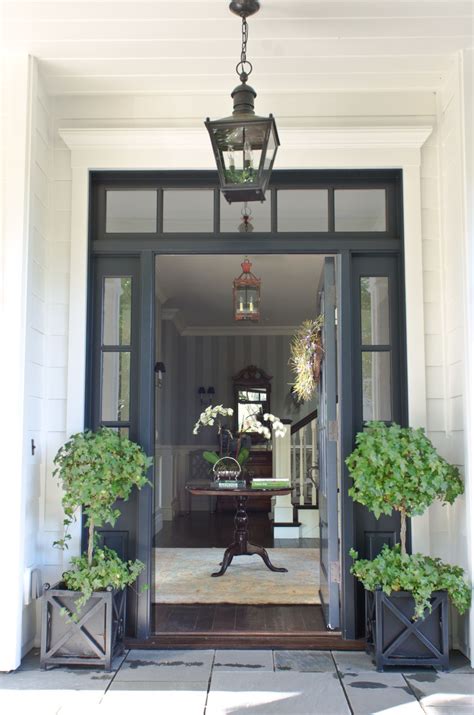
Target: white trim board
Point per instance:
(363, 147)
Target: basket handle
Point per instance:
(222, 459)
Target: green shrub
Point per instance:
(392, 571)
(95, 469)
(397, 468)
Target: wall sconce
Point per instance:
(160, 369)
(206, 396)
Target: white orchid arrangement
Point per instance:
(211, 416)
(251, 424)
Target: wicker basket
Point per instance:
(226, 468)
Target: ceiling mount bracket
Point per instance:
(244, 8)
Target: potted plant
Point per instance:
(237, 447)
(397, 468)
(83, 616)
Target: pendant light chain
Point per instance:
(244, 67)
(245, 37)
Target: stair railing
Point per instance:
(304, 460)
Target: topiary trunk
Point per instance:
(403, 531)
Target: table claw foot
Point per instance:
(260, 551)
(226, 561)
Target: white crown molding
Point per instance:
(362, 137)
(231, 330)
(176, 316)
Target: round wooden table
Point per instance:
(241, 546)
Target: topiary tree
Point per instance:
(397, 468)
(95, 469)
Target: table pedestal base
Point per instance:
(241, 545)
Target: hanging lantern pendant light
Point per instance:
(244, 144)
(247, 294)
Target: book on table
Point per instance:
(271, 483)
(232, 484)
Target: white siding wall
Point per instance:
(442, 265)
(445, 320)
(46, 355)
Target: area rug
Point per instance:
(184, 576)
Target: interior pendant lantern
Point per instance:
(247, 294)
(244, 144)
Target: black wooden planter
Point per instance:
(96, 637)
(395, 639)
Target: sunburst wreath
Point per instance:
(306, 356)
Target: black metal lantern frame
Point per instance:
(244, 144)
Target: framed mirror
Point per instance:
(252, 388)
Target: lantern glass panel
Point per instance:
(271, 150)
(240, 150)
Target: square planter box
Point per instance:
(96, 637)
(395, 639)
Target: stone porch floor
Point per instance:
(257, 682)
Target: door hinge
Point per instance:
(333, 431)
(335, 572)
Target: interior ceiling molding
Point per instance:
(228, 330)
(362, 137)
(176, 316)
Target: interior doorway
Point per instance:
(207, 356)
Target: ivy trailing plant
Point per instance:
(95, 469)
(392, 571)
(397, 468)
(306, 354)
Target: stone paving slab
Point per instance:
(444, 692)
(353, 662)
(380, 692)
(280, 693)
(76, 679)
(152, 698)
(243, 660)
(166, 665)
(305, 661)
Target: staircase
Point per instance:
(297, 516)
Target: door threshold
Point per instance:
(319, 640)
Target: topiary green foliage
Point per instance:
(95, 469)
(106, 570)
(392, 571)
(397, 468)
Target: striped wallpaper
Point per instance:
(192, 361)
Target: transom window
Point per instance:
(297, 202)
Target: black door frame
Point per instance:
(348, 246)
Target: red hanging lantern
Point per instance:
(247, 294)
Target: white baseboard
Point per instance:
(286, 532)
(309, 519)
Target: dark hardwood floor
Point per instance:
(214, 530)
(235, 626)
(225, 626)
(229, 618)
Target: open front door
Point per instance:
(328, 435)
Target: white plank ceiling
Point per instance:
(192, 46)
